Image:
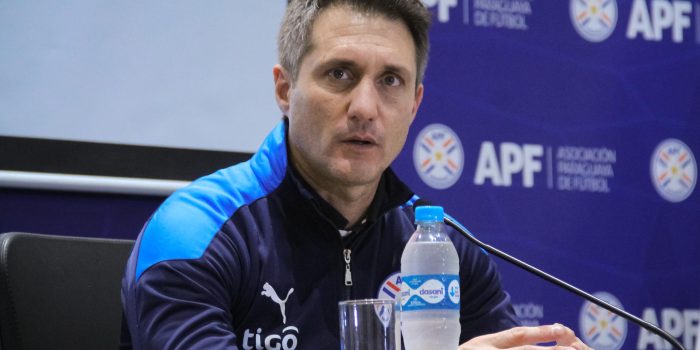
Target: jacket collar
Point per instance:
(391, 193)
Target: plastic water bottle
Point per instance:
(430, 285)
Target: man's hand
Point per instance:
(526, 338)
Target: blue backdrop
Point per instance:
(564, 132)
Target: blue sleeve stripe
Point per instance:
(410, 202)
(188, 220)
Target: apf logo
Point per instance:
(600, 328)
(681, 324)
(673, 170)
(391, 287)
(514, 159)
(438, 156)
(594, 20)
(443, 11)
(651, 21)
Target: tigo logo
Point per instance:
(673, 170)
(594, 20)
(438, 156)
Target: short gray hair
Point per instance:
(294, 39)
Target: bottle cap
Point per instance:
(430, 213)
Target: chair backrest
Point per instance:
(59, 292)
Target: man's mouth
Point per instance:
(360, 142)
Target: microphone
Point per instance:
(554, 280)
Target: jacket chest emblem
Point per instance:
(270, 292)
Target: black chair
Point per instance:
(59, 292)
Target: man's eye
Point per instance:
(339, 74)
(392, 80)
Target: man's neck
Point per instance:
(351, 201)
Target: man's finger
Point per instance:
(541, 347)
(566, 337)
(578, 345)
(483, 343)
(521, 336)
(563, 335)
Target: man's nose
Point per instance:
(364, 101)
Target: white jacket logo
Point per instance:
(260, 340)
(268, 291)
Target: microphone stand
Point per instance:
(549, 278)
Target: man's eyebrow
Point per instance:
(346, 63)
(398, 69)
(340, 62)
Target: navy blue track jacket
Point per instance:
(251, 258)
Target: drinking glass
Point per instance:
(369, 324)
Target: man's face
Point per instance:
(354, 98)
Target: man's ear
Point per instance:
(416, 101)
(283, 85)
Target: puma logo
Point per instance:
(269, 292)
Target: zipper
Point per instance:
(348, 272)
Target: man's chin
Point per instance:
(358, 176)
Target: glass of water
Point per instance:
(369, 324)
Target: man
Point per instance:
(258, 255)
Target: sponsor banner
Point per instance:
(578, 130)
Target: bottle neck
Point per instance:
(430, 231)
(430, 226)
